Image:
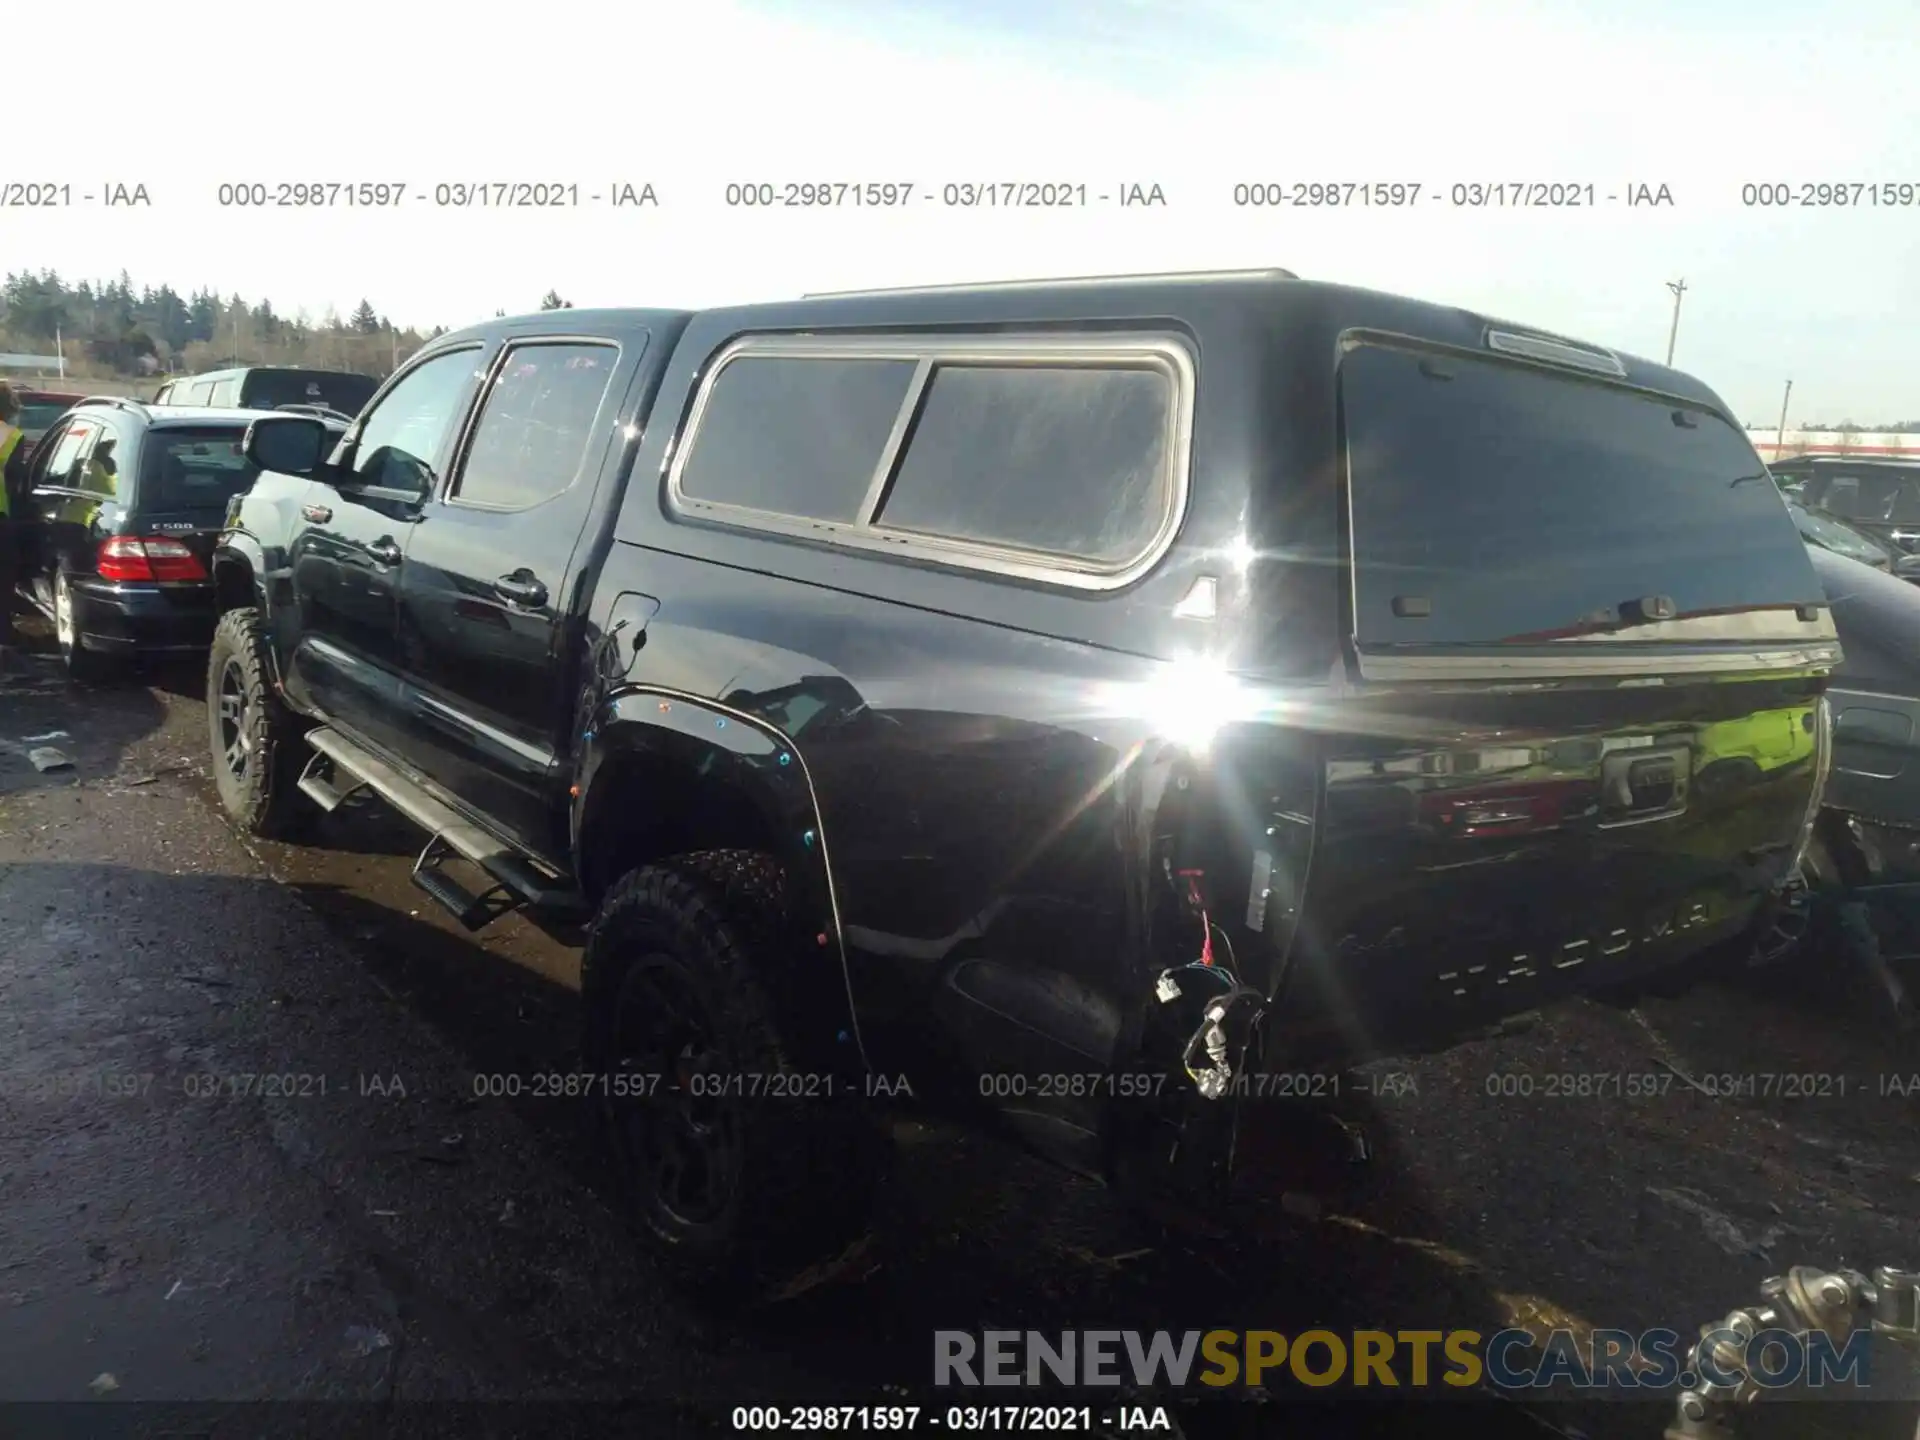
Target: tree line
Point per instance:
(110, 328)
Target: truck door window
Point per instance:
(536, 424)
(402, 437)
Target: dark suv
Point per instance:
(271, 387)
(1089, 700)
(118, 526)
(1878, 495)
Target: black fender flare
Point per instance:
(241, 549)
(238, 548)
(721, 746)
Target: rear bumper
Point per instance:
(126, 619)
(1479, 854)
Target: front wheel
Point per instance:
(254, 737)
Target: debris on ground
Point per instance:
(840, 1267)
(1104, 1262)
(46, 758)
(363, 1340)
(1719, 1227)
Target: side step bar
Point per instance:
(517, 881)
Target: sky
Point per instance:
(1194, 96)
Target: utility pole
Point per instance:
(1679, 288)
(1780, 440)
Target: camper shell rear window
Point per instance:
(1499, 503)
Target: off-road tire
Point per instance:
(265, 800)
(807, 1165)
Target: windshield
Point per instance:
(270, 389)
(1830, 534)
(198, 468)
(1498, 503)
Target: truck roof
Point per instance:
(1274, 299)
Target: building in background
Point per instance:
(1774, 444)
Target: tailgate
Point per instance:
(1586, 736)
(1479, 855)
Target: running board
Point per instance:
(322, 788)
(517, 880)
(474, 911)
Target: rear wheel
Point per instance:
(738, 1167)
(255, 739)
(68, 626)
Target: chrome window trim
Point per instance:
(896, 442)
(1572, 666)
(928, 351)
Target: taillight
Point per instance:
(129, 557)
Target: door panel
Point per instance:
(351, 540)
(66, 507)
(491, 581)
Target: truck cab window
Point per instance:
(536, 424)
(401, 438)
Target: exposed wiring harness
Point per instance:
(1205, 1058)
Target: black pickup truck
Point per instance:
(1081, 698)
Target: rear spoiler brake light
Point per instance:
(1552, 350)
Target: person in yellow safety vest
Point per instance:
(102, 473)
(13, 459)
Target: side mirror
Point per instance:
(287, 444)
(396, 474)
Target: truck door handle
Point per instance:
(385, 551)
(520, 588)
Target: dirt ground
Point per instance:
(373, 1232)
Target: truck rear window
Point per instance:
(270, 389)
(193, 469)
(1494, 503)
(36, 415)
